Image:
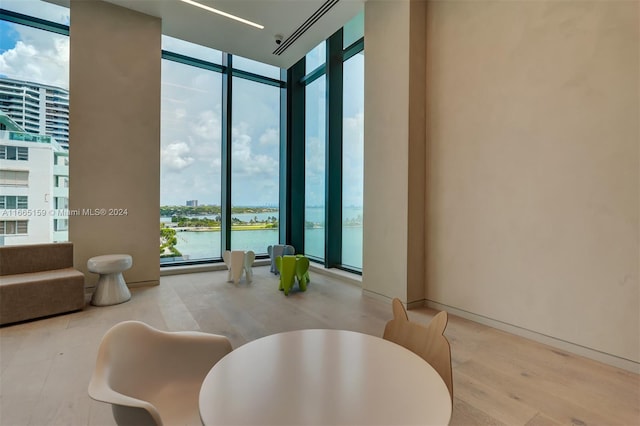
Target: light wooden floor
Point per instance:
(498, 378)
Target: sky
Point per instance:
(191, 115)
(39, 9)
(191, 138)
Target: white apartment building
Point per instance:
(37, 108)
(34, 187)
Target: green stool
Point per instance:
(292, 267)
(303, 276)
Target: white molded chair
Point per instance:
(153, 377)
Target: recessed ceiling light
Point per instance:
(225, 14)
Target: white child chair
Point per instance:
(239, 261)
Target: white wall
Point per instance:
(386, 146)
(531, 215)
(533, 174)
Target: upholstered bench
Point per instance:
(38, 280)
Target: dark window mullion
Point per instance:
(314, 75)
(194, 62)
(225, 196)
(258, 78)
(295, 178)
(333, 168)
(31, 21)
(211, 66)
(283, 193)
(355, 48)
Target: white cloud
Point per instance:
(315, 156)
(206, 125)
(192, 113)
(40, 9)
(241, 147)
(353, 161)
(271, 136)
(180, 113)
(175, 157)
(247, 163)
(38, 56)
(353, 140)
(191, 116)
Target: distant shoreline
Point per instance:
(244, 228)
(217, 228)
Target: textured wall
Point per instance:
(533, 192)
(386, 136)
(115, 136)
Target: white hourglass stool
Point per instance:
(111, 288)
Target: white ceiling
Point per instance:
(196, 25)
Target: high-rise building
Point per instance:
(37, 108)
(192, 203)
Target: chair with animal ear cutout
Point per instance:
(427, 341)
(153, 377)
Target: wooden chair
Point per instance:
(426, 341)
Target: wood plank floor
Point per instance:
(499, 379)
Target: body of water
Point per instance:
(206, 244)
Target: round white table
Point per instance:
(323, 377)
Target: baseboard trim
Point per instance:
(347, 277)
(89, 289)
(143, 283)
(574, 348)
(205, 267)
(383, 298)
(377, 296)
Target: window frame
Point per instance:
(18, 227)
(19, 202)
(228, 72)
(332, 71)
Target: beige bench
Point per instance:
(38, 280)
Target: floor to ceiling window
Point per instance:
(353, 161)
(314, 162)
(34, 122)
(193, 162)
(190, 172)
(353, 142)
(333, 100)
(196, 171)
(255, 153)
